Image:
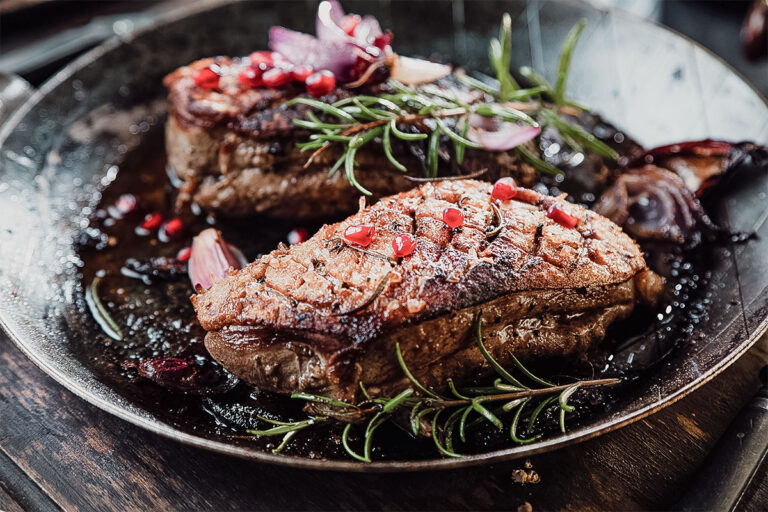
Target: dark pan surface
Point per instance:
(69, 140)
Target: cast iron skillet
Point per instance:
(67, 142)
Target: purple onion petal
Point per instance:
(303, 49)
(329, 16)
(505, 137)
(211, 259)
(367, 31)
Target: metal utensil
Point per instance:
(730, 467)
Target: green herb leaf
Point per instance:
(99, 311)
(323, 107)
(387, 144)
(565, 60)
(536, 162)
(433, 156)
(410, 376)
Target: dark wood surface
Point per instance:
(58, 451)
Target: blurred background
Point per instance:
(37, 37)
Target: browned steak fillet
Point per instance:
(235, 150)
(543, 289)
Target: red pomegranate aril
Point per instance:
(251, 77)
(173, 227)
(562, 218)
(301, 73)
(320, 83)
(276, 77)
(349, 23)
(296, 236)
(152, 221)
(403, 244)
(126, 203)
(262, 57)
(504, 189)
(453, 217)
(206, 79)
(184, 254)
(359, 234)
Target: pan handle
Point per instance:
(730, 467)
(14, 91)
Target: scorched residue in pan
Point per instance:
(161, 363)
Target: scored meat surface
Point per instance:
(235, 151)
(321, 316)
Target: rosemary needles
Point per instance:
(435, 120)
(506, 403)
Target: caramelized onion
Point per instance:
(654, 203)
(212, 258)
(702, 164)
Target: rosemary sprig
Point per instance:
(499, 52)
(437, 118)
(99, 311)
(442, 418)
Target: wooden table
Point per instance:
(57, 451)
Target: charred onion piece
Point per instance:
(754, 32)
(703, 164)
(188, 375)
(166, 269)
(654, 203)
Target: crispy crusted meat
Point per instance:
(545, 290)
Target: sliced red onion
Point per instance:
(303, 49)
(212, 258)
(368, 30)
(495, 135)
(329, 17)
(654, 203)
(412, 71)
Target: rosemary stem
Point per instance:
(522, 394)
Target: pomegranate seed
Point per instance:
(184, 254)
(504, 189)
(297, 236)
(453, 217)
(403, 244)
(251, 77)
(152, 221)
(359, 234)
(349, 24)
(258, 58)
(276, 77)
(562, 218)
(382, 41)
(301, 73)
(320, 83)
(126, 203)
(206, 79)
(173, 227)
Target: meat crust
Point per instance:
(282, 322)
(235, 150)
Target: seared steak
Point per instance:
(234, 149)
(321, 316)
